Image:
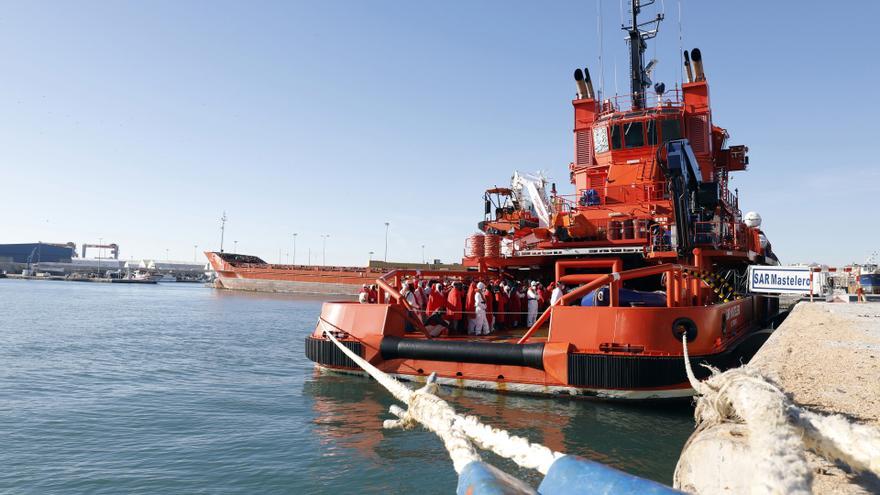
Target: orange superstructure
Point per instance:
(652, 245)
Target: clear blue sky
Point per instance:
(140, 122)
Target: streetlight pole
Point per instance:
(100, 247)
(294, 249)
(222, 229)
(195, 249)
(324, 249)
(370, 260)
(423, 254)
(235, 246)
(387, 224)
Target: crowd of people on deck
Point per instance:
(472, 307)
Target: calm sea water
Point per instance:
(177, 388)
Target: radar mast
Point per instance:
(637, 34)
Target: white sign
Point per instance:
(784, 280)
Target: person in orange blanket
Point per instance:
(435, 310)
(501, 308)
(543, 297)
(453, 308)
(469, 307)
(490, 306)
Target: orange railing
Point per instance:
(650, 191)
(673, 280)
(619, 103)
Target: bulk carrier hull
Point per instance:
(250, 273)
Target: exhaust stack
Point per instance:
(689, 75)
(581, 84)
(697, 57)
(589, 83)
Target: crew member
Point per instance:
(557, 293)
(481, 324)
(364, 295)
(421, 299)
(532, 302)
(407, 294)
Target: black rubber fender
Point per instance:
(530, 355)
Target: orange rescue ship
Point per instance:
(652, 242)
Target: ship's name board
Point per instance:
(783, 280)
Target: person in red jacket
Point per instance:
(490, 306)
(501, 309)
(436, 304)
(373, 295)
(435, 310)
(453, 307)
(543, 297)
(469, 306)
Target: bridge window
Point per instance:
(670, 130)
(634, 134)
(652, 132)
(615, 137)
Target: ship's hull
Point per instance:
(610, 353)
(248, 273)
(286, 286)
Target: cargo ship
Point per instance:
(652, 247)
(250, 273)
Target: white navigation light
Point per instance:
(752, 219)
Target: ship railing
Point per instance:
(655, 191)
(671, 99)
(610, 195)
(675, 282)
(732, 200)
(720, 235)
(661, 239)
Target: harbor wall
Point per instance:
(826, 358)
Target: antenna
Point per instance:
(680, 49)
(637, 34)
(222, 229)
(601, 50)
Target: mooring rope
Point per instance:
(459, 433)
(779, 430)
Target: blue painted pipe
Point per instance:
(479, 478)
(571, 475)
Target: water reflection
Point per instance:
(643, 439)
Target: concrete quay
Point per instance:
(825, 357)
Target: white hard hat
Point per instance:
(481, 286)
(752, 219)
